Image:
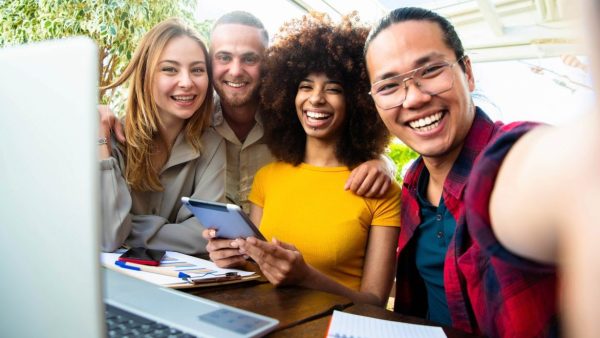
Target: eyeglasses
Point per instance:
(431, 79)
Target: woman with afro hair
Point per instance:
(320, 123)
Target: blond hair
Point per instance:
(142, 119)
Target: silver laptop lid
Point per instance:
(185, 312)
(50, 280)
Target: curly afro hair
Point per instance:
(314, 44)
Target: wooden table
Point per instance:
(290, 305)
(318, 327)
(301, 312)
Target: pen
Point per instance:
(160, 271)
(223, 278)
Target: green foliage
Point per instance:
(401, 155)
(115, 25)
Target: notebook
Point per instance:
(51, 284)
(348, 325)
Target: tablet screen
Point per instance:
(228, 219)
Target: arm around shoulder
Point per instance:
(372, 179)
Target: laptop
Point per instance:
(51, 283)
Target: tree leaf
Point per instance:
(32, 20)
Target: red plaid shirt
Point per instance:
(489, 290)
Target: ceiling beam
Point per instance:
(522, 51)
(488, 10)
(303, 6)
(380, 6)
(328, 3)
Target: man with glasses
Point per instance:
(456, 266)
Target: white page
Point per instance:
(108, 259)
(348, 325)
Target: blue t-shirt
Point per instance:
(432, 239)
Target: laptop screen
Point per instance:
(50, 281)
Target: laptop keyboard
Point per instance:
(120, 323)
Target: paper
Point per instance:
(193, 266)
(346, 325)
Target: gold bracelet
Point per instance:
(102, 141)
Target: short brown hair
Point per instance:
(246, 19)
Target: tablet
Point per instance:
(228, 219)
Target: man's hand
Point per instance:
(280, 263)
(224, 253)
(371, 179)
(109, 123)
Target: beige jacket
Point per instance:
(158, 220)
(243, 158)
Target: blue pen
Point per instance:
(152, 269)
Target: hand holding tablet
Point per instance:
(228, 219)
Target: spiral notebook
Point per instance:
(347, 325)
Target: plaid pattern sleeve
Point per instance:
(509, 296)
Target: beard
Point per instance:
(236, 99)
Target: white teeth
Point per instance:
(234, 84)
(430, 121)
(183, 97)
(317, 115)
(429, 127)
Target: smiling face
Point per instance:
(432, 125)
(321, 107)
(180, 80)
(236, 52)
